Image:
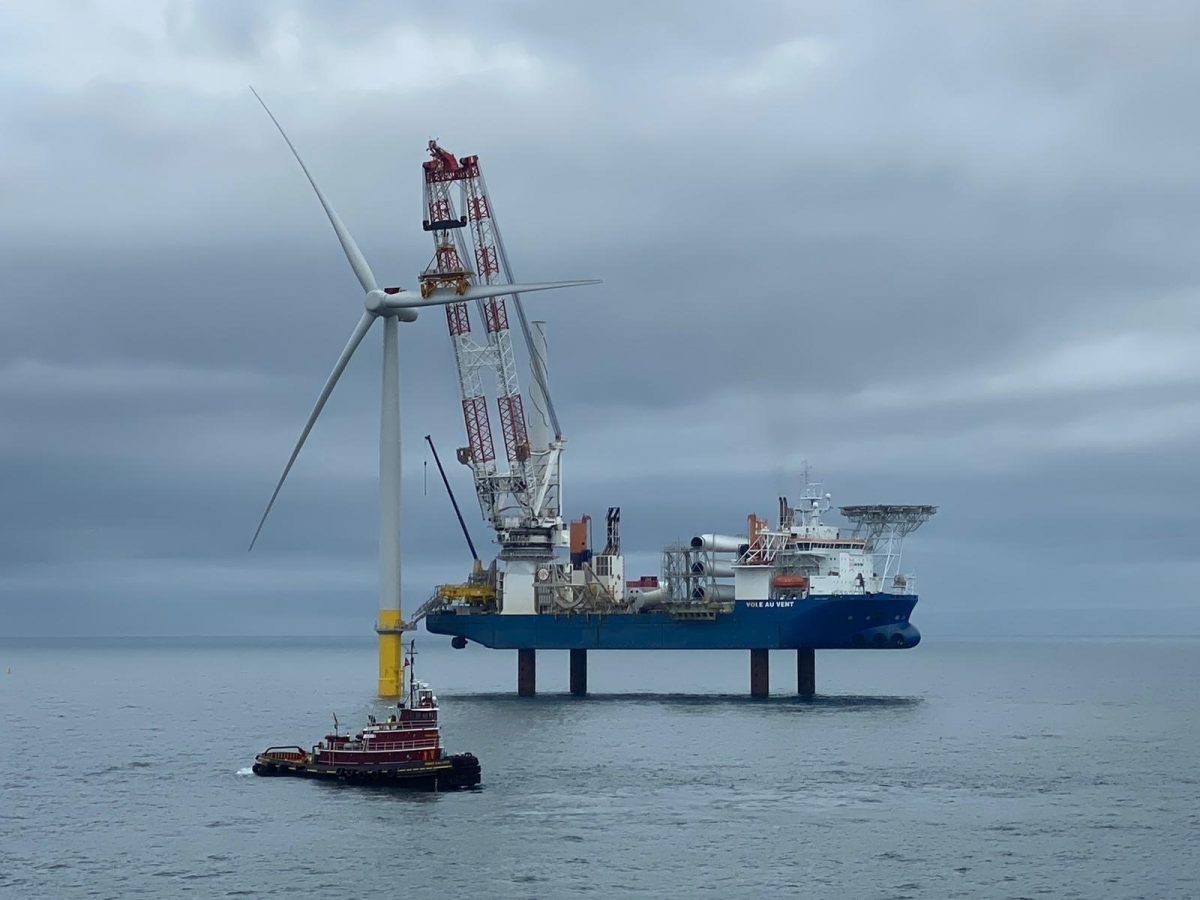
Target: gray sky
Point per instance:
(945, 252)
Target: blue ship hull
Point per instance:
(830, 622)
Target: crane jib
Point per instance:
(469, 251)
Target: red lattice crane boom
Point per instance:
(522, 504)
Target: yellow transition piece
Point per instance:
(391, 654)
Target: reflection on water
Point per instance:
(684, 701)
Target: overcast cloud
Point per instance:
(945, 252)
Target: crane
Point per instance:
(521, 497)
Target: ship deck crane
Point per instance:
(522, 503)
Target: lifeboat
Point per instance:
(791, 582)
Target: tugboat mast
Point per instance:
(412, 681)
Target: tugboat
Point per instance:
(405, 750)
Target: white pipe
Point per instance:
(719, 543)
(714, 567)
(639, 597)
(389, 470)
(713, 592)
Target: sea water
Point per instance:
(1038, 768)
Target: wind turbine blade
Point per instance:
(360, 331)
(444, 296)
(358, 262)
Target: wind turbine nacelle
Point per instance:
(385, 303)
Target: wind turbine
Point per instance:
(392, 305)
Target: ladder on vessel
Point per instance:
(423, 610)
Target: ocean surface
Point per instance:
(1040, 768)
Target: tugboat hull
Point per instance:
(455, 772)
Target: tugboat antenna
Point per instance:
(412, 652)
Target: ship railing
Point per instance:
(385, 746)
(434, 602)
(869, 590)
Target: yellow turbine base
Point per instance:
(391, 654)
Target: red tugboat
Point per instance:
(405, 751)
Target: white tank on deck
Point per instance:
(720, 543)
(717, 568)
(713, 592)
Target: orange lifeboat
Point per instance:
(794, 582)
